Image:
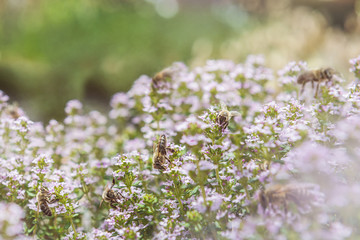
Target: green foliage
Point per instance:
(90, 50)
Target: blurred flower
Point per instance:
(73, 107)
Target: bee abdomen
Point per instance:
(45, 209)
(159, 165)
(223, 120)
(162, 144)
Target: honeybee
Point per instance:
(281, 195)
(263, 165)
(159, 79)
(43, 199)
(111, 196)
(160, 154)
(319, 75)
(14, 111)
(224, 115)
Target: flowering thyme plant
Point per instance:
(209, 153)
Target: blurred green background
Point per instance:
(52, 51)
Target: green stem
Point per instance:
(73, 226)
(247, 193)
(181, 205)
(218, 179)
(203, 193)
(213, 233)
(55, 223)
(141, 165)
(36, 221)
(178, 194)
(201, 183)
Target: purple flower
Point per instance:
(194, 140)
(355, 65)
(206, 165)
(121, 99)
(11, 220)
(73, 107)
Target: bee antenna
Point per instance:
(113, 183)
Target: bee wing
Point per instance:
(167, 72)
(338, 78)
(105, 190)
(300, 193)
(234, 113)
(306, 77)
(53, 200)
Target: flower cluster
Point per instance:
(210, 153)
(355, 66)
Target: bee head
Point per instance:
(329, 72)
(225, 113)
(263, 199)
(43, 190)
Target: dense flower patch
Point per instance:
(244, 159)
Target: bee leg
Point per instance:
(302, 88)
(329, 82)
(113, 183)
(53, 201)
(167, 158)
(170, 149)
(113, 206)
(285, 209)
(317, 90)
(120, 194)
(312, 84)
(226, 124)
(38, 208)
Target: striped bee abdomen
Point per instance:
(45, 209)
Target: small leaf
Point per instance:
(80, 196)
(67, 225)
(30, 230)
(30, 194)
(194, 191)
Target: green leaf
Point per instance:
(30, 230)
(137, 184)
(217, 225)
(67, 225)
(194, 191)
(278, 161)
(30, 193)
(80, 196)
